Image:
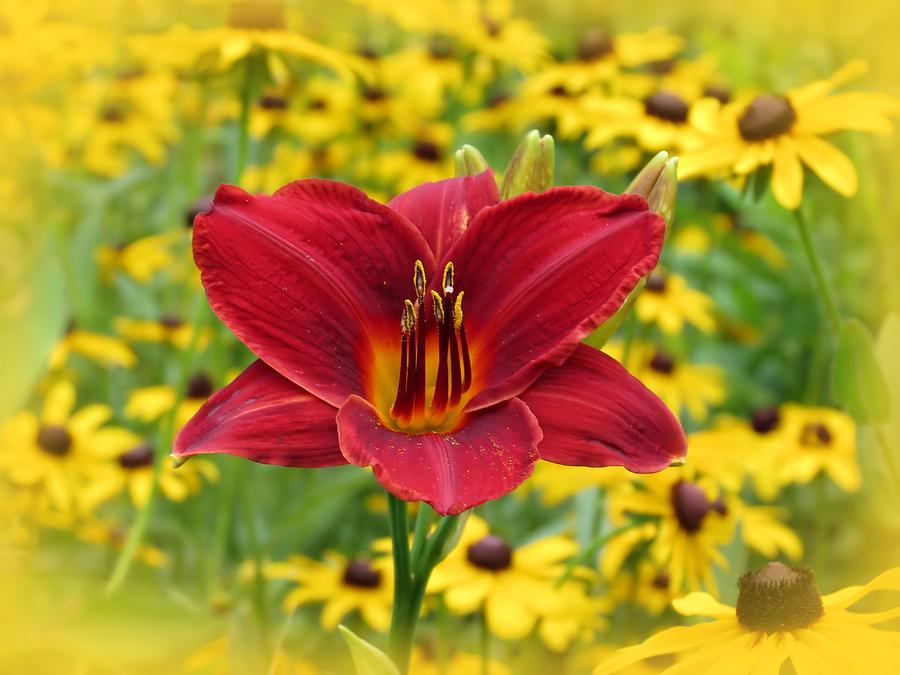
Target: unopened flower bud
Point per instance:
(531, 166)
(657, 182)
(469, 161)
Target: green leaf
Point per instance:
(32, 313)
(761, 180)
(367, 658)
(856, 378)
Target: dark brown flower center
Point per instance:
(656, 283)
(317, 104)
(490, 553)
(690, 504)
(815, 435)
(426, 151)
(718, 92)
(201, 205)
(559, 91)
(374, 94)
(440, 48)
(662, 362)
(491, 26)
(257, 14)
(667, 106)
(498, 99)
(137, 457)
(199, 386)
(361, 574)
(778, 598)
(112, 114)
(661, 581)
(767, 116)
(272, 102)
(593, 44)
(54, 440)
(766, 419)
(171, 321)
(662, 67)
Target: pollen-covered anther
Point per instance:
(419, 279)
(778, 598)
(449, 277)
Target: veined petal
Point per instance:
(264, 417)
(490, 455)
(444, 209)
(541, 271)
(306, 276)
(593, 412)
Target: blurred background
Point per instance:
(118, 120)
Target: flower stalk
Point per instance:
(824, 292)
(412, 570)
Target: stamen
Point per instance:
(407, 325)
(438, 307)
(463, 342)
(419, 281)
(419, 399)
(439, 400)
(449, 278)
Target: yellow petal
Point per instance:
(507, 615)
(830, 164)
(787, 175)
(59, 403)
(701, 604)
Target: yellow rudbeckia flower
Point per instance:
(343, 585)
(667, 301)
(60, 451)
(516, 588)
(779, 617)
(785, 131)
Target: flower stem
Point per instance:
(252, 72)
(400, 642)
(411, 580)
(831, 310)
(162, 448)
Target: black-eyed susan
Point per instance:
(169, 328)
(343, 584)
(104, 349)
(141, 259)
(785, 131)
(60, 451)
(667, 301)
(779, 617)
(105, 533)
(132, 470)
(647, 586)
(694, 387)
(148, 404)
(428, 157)
(514, 587)
(801, 442)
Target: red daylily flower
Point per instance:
(435, 339)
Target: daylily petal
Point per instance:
(593, 412)
(541, 271)
(264, 417)
(490, 455)
(444, 209)
(307, 276)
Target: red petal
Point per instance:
(267, 418)
(593, 412)
(306, 276)
(488, 457)
(540, 272)
(443, 210)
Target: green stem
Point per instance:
(248, 94)
(162, 448)
(260, 602)
(485, 643)
(423, 525)
(831, 310)
(587, 552)
(400, 641)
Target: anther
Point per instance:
(438, 304)
(419, 281)
(449, 278)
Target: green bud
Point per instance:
(469, 161)
(658, 184)
(531, 166)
